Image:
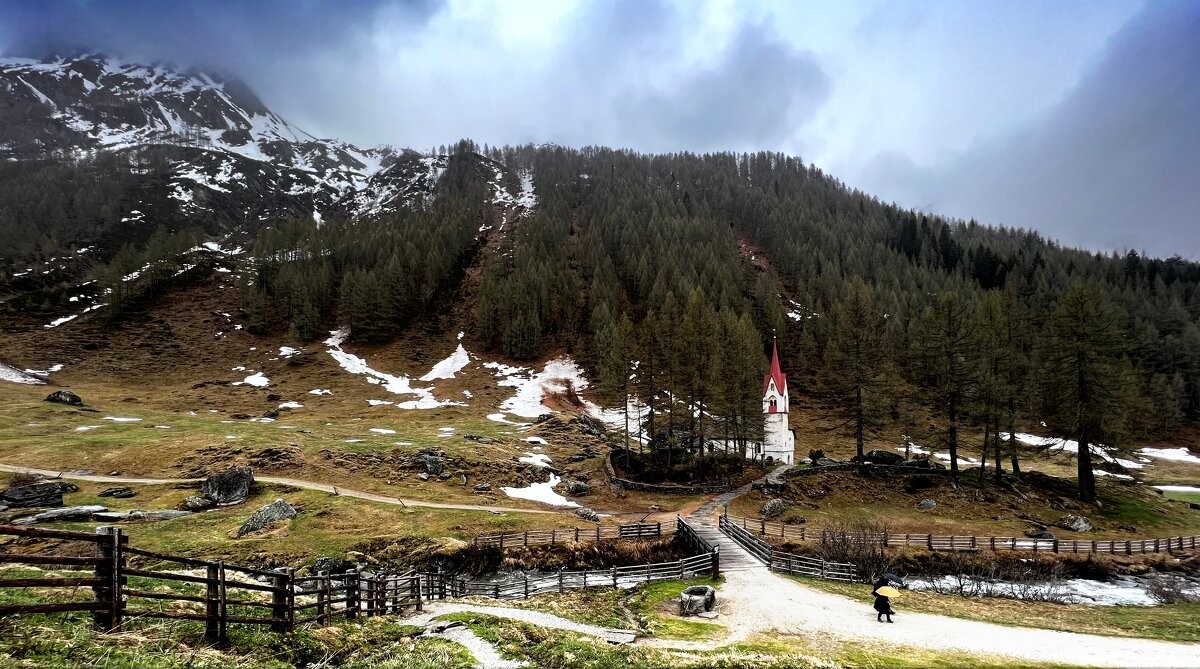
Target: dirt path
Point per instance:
(295, 483)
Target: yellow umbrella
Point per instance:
(888, 591)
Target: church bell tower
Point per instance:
(778, 441)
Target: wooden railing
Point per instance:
(564, 535)
(786, 562)
(441, 586)
(937, 542)
(213, 592)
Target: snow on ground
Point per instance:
(257, 379)
(501, 418)
(1178, 488)
(614, 418)
(446, 369)
(162, 427)
(119, 419)
(916, 449)
(377, 403)
(288, 351)
(320, 391)
(1181, 454)
(85, 428)
(13, 375)
(59, 321)
(1101, 472)
(291, 405)
(537, 440)
(557, 376)
(398, 385)
(1070, 446)
(381, 430)
(45, 372)
(540, 492)
(535, 459)
(354, 441)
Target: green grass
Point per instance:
(1171, 622)
(1193, 497)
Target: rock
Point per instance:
(423, 476)
(275, 511)
(166, 514)
(774, 508)
(482, 440)
(1127, 528)
(1040, 534)
(881, 457)
(439, 626)
(587, 514)
(434, 463)
(578, 488)
(1076, 523)
(483, 487)
(444, 476)
(578, 457)
(462, 479)
(271, 413)
(47, 493)
(3, 506)
(197, 503)
(543, 418)
(231, 486)
(1194, 506)
(591, 426)
(926, 504)
(119, 493)
(582, 477)
(63, 514)
(826, 462)
(922, 463)
(64, 397)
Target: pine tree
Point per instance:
(946, 348)
(856, 358)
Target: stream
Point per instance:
(1119, 591)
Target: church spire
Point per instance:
(776, 374)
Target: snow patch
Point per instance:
(320, 391)
(398, 385)
(1181, 454)
(540, 492)
(446, 369)
(257, 379)
(119, 419)
(535, 459)
(381, 430)
(13, 375)
(290, 405)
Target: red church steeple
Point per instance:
(776, 374)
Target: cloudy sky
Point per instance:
(1079, 119)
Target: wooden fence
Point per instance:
(939, 542)
(212, 592)
(441, 586)
(787, 562)
(564, 535)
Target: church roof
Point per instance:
(776, 373)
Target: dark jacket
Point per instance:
(883, 604)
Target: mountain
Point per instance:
(124, 186)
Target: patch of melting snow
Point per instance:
(541, 492)
(13, 375)
(1121, 591)
(262, 419)
(559, 375)
(45, 372)
(1178, 488)
(537, 440)
(85, 428)
(162, 427)
(398, 385)
(288, 351)
(231, 436)
(377, 403)
(290, 405)
(381, 430)
(257, 379)
(536, 459)
(320, 391)
(1071, 446)
(354, 441)
(446, 369)
(119, 419)
(501, 418)
(402, 443)
(1181, 454)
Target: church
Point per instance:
(779, 442)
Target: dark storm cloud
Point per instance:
(1115, 165)
(239, 38)
(756, 96)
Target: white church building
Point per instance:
(779, 442)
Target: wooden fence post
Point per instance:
(716, 562)
(353, 600)
(212, 605)
(367, 580)
(416, 588)
(223, 615)
(279, 600)
(107, 616)
(322, 595)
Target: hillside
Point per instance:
(170, 242)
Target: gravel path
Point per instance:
(539, 618)
(485, 653)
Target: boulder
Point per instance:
(922, 463)
(231, 486)
(1040, 534)
(483, 487)
(46, 493)
(774, 508)
(275, 511)
(64, 397)
(1076, 523)
(591, 426)
(926, 504)
(165, 514)
(825, 462)
(423, 476)
(587, 514)
(881, 457)
(63, 514)
(434, 463)
(119, 493)
(578, 488)
(3, 506)
(482, 440)
(197, 503)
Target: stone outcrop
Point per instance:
(881, 457)
(64, 514)
(42, 494)
(578, 488)
(119, 493)
(1076, 523)
(433, 462)
(273, 512)
(197, 503)
(774, 508)
(587, 514)
(64, 397)
(231, 486)
(927, 504)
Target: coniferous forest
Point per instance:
(668, 276)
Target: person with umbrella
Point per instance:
(884, 589)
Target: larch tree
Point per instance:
(857, 358)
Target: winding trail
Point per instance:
(295, 483)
